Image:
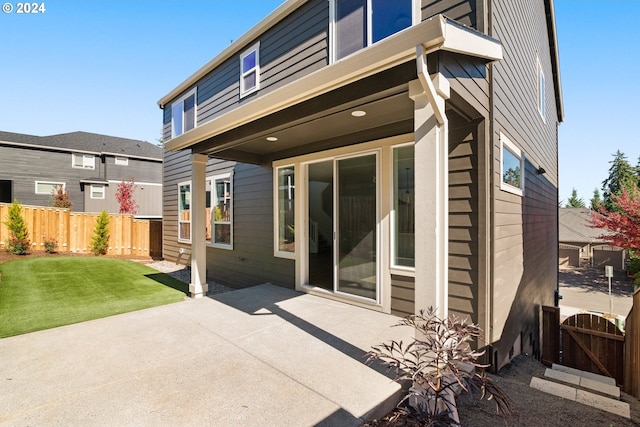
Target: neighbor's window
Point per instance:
(83, 161)
(183, 114)
(250, 70)
(360, 23)
(43, 187)
(403, 246)
(285, 227)
(511, 167)
(122, 161)
(184, 211)
(222, 203)
(541, 90)
(97, 191)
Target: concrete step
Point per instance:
(582, 396)
(577, 380)
(596, 377)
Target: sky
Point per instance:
(101, 66)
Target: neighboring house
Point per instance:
(581, 245)
(89, 166)
(391, 158)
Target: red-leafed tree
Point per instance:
(124, 196)
(623, 224)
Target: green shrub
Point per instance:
(100, 238)
(50, 245)
(440, 364)
(18, 242)
(633, 266)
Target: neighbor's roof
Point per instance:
(574, 226)
(87, 142)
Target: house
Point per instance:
(390, 154)
(87, 165)
(582, 245)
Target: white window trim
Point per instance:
(223, 175)
(506, 144)
(121, 161)
(84, 161)
(48, 182)
(195, 112)
(180, 239)
(395, 268)
(102, 190)
(541, 97)
(243, 73)
(333, 49)
(276, 223)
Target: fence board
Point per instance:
(73, 231)
(550, 335)
(632, 349)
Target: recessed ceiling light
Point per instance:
(272, 138)
(358, 113)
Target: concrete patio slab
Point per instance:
(259, 356)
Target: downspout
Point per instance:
(437, 98)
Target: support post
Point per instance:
(198, 286)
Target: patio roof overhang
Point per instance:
(313, 111)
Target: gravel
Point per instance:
(183, 273)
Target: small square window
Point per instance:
(511, 167)
(122, 161)
(83, 161)
(250, 70)
(183, 114)
(97, 191)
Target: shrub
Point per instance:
(60, 198)
(50, 245)
(439, 364)
(100, 238)
(18, 242)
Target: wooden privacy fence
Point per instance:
(73, 231)
(632, 349)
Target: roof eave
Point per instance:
(555, 56)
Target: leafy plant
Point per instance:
(124, 196)
(18, 242)
(100, 238)
(60, 198)
(50, 245)
(439, 364)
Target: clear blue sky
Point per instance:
(100, 66)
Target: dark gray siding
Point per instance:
(139, 169)
(525, 231)
(403, 295)
(177, 168)
(466, 12)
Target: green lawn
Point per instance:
(43, 293)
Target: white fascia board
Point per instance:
(386, 54)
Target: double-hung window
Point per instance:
(183, 114)
(184, 211)
(250, 70)
(97, 191)
(511, 166)
(83, 161)
(356, 24)
(222, 215)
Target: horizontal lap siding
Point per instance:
(402, 295)
(525, 232)
(463, 11)
(177, 168)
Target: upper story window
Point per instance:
(250, 70)
(356, 24)
(83, 161)
(183, 114)
(511, 166)
(122, 161)
(541, 99)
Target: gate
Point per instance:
(594, 344)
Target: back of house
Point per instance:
(394, 155)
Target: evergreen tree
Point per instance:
(595, 200)
(621, 176)
(574, 201)
(100, 238)
(18, 242)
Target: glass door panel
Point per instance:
(357, 226)
(321, 224)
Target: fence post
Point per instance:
(550, 335)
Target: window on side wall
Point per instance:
(48, 188)
(511, 167)
(83, 161)
(122, 161)
(250, 70)
(285, 211)
(222, 214)
(183, 114)
(97, 191)
(360, 23)
(403, 218)
(541, 98)
(184, 212)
